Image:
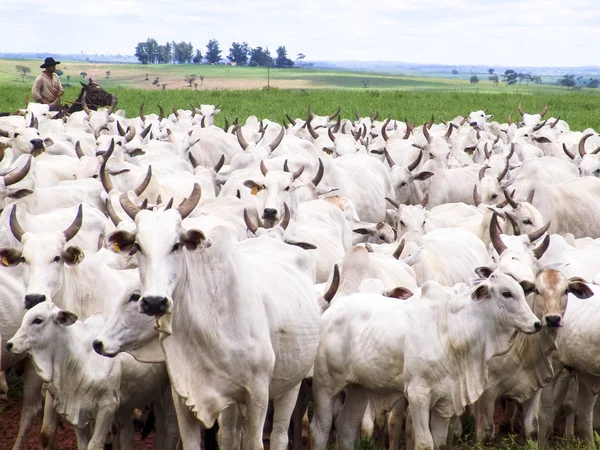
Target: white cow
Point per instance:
(428, 363)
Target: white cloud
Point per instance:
(507, 32)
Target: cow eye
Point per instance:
(287, 188)
(537, 292)
(22, 259)
(56, 259)
(403, 184)
(381, 236)
(36, 321)
(137, 246)
(507, 294)
(176, 247)
(527, 222)
(134, 297)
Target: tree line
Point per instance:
(240, 54)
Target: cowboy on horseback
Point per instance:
(47, 88)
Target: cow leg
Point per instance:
(439, 429)
(553, 396)
(507, 425)
(585, 409)
(367, 424)
(283, 407)
(228, 423)
(125, 435)
(167, 433)
(189, 427)
(484, 416)
(454, 431)
(299, 412)
(32, 403)
(347, 423)
(102, 425)
(49, 424)
(419, 411)
(83, 437)
(569, 404)
(530, 416)
(410, 432)
(395, 419)
(257, 402)
(3, 387)
(320, 425)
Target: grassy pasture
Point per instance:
(240, 92)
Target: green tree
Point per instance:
(282, 60)
(536, 79)
(593, 83)
(510, 76)
(454, 72)
(491, 71)
(183, 52)
(197, 58)
(147, 52)
(23, 71)
(260, 57)
(474, 79)
(164, 53)
(567, 81)
(494, 79)
(213, 52)
(238, 53)
(300, 58)
(83, 74)
(190, 79)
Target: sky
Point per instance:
(538, 33)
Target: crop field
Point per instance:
(241, 91)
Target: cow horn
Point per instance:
(495, 236)
(333, 287)
(514, 223)
(319, 176)
(539, 251)
(144, 204)
(141, 113)
(285, 221)
(161, 113)
(356, 114)
(368, 247)
(310, 114)
(431, 121)
(175, 111)
(544, 110)
(84, 105)
(338, 125)
(169, 204)
(399, 249)
(521, 111)
(393, 202)
(567, 152)
(202, 122)
(488, 153)
(145, 131)
(193, 161)
(4, 133)
(535, 235)
(273, 145)
(425, 200)
(75, 226)
(336, 113)
(581, 146)
(482, 172)
(99, 130)
(292, 121)
(193, 111)
(113, 104)
(128, 206)
(17, 175)
(296, 174)
(105, 177)
(251, 225)
(426, 133)
(375, 116)
(32, 121)
(408, 131)
(109, 151)
(188, 206)
(226, 126)
(130, 133)
(540, 125)
(145, 182)
(511, 152)
(241, 139)
(310, 129)
(263, 168)
(510, 200)
(78, 150)
(330, 134)
(412, 166)
(16, 229)
(388, 158)
(384, 134)
(112, 213)
(120, 129)
(219, 164)
(595, 152)
(449, 132)
(530, 196)
(509, 119)
(503, 173)
(555, 122)
(476, 196)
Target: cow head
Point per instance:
(159, 259)
(26, 140)
(531, 120)
(402, 178)
(478, 119)
(43, 258)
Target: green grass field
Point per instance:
(241, 91)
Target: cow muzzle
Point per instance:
(154, 305)
(33, 299)
(270, 214)
(98, 347)
(553, 321)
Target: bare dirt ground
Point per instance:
(223, 83)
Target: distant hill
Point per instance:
(129, 59)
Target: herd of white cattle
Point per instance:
(414, 273)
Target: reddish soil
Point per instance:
(9, 427)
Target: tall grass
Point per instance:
(580, 110)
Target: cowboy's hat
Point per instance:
(49, 62)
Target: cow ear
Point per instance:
(362, 231)
(73, 255)
(120, 241)
(194, 239)
(304, 245)
(528, 287)
(542, 140)
(66, 318)
(483, 272)
(399, 292)
(480, 292)
(422, 176)
(10, 257)
(579, 289)
(48, 142)
(20, 193)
